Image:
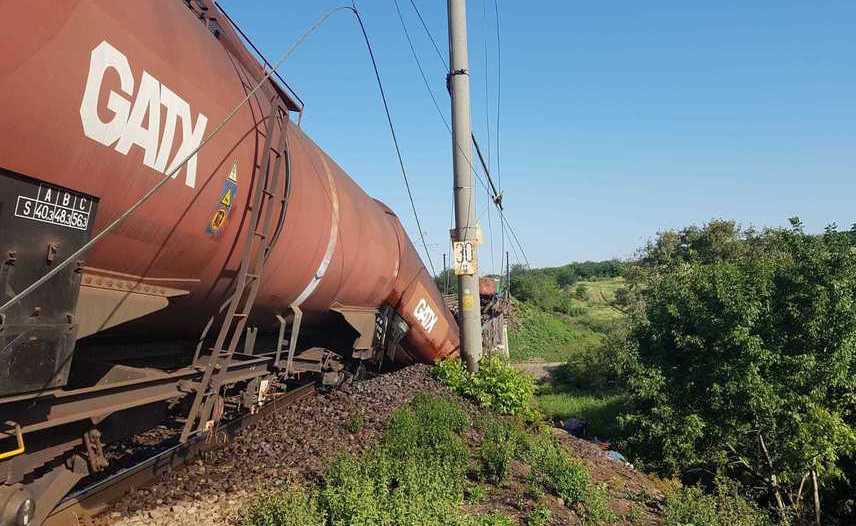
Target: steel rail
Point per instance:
(96, 498)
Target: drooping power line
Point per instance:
(395, 141)
(494, 194)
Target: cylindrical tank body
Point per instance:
(102, 97)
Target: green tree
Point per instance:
(447, 281)
(745, 358)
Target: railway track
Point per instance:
(88, 502)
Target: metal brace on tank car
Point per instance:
(95, 451)
(206, 407)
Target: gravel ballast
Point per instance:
(295, 443)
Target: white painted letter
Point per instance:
(175, 105)
(191, 139)
(105, 56)
(148, 101)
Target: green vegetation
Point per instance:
(556, 470)
(538, 334)
(723, 357)
(538, 517)
(722, 507)
(745, 351)
(288, 506)
(418, 475)
(720, 353)
(496, 385)
(567, 477)
(415, 476)
(501, 445)
(356, 424)
(554, 322)
(583, 332)
(599, 411)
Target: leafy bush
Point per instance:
(355, 490)
(746, 346)
(452, 373)
(428, 427)
(596, 506)
(540, 516)
(290, 506)
(500, 445)
(564, 475)
(416, 475)
(356, 424)
(496, 385)
(539, 289)
(692, 506)
(598, 368)
(494, 519)
(568, 478)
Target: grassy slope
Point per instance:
(543, 336)
(599, 410)
(551, 337)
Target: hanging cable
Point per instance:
(486, 79)
(434, 98)
(428, 32)
(498, 92)
(394, 138)
(419, 65)
(498, 102)
(495, 195)
(516, 239)
(491, 192)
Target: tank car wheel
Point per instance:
(17, 507)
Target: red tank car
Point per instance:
(100, 98)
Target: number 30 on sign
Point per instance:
(464, 257)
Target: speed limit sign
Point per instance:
(464, 257)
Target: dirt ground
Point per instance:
(540, 371)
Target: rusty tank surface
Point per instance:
(259, 266)
(100, 98)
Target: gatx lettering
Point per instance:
(138, 121)
(425, 315)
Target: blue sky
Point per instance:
(618, 119)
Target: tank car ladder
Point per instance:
(207, 407)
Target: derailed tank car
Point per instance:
(261, 241)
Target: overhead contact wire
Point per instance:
(495, 195)
(394, 138)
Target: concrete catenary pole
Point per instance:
(465, 207)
